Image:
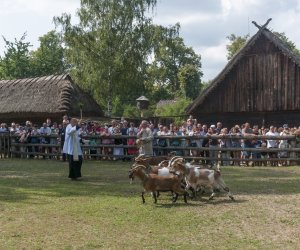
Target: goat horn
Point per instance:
(141, 156)
(177, 159)
(162, 162)
(138, 166)
(173, 159)
(170, 161)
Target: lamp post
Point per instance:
(109, 107)
(80, 104)
(142, 104)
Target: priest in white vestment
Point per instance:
(72, 149)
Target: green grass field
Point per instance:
(40, 208)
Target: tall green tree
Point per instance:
(177, 110)
(21, 62)
(118, 54)
(16, 60)
(176, 67)
(48, 58)
(190, 82)
(109, 46)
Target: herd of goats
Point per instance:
(172, 173)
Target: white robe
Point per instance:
(146, 137)
(72, 141)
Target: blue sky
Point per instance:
(205, 24)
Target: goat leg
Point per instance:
(229, 193)
(184, 196)
(211, 196)
(193, 196)
(143, 198)
(154, 197)
(189, 188)
(175, 197)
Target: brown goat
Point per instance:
(154, 183)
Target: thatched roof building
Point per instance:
(36, 99)
(261, 85)
(163, 103)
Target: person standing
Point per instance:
(213, 144)
(247, 143)
(283, 144)
(72, 149)
(62, 134)
(118, 152)
(45, 131)
(145, 137)
(271, 143)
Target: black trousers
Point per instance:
(74, 167)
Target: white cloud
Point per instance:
(204, 24)
(35, 17)
(198, 18)
(213, 60)
(38, 7)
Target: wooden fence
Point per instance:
(11, 147)
(4, 145)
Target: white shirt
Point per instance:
(271, 143)
(45, 131)
(72, 137)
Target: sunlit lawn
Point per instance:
(40, 208)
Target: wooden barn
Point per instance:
(36, 99)
(260, 85)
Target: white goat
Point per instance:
(199, 178)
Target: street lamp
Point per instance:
(142, 104)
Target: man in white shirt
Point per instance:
(272, 144)
(72, 149)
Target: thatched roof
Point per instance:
(237, 58)
(163, 103)
(50, 95)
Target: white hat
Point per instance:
(212, 126)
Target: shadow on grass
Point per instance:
(12, 195)
(21, 180)
(225, 201)
(177, 204)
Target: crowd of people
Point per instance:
(54, 133)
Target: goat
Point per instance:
(153, 163)
(198, 178)
(152, 160)
(162, 169)
(154, 183)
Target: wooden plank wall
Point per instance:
(265, 80)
